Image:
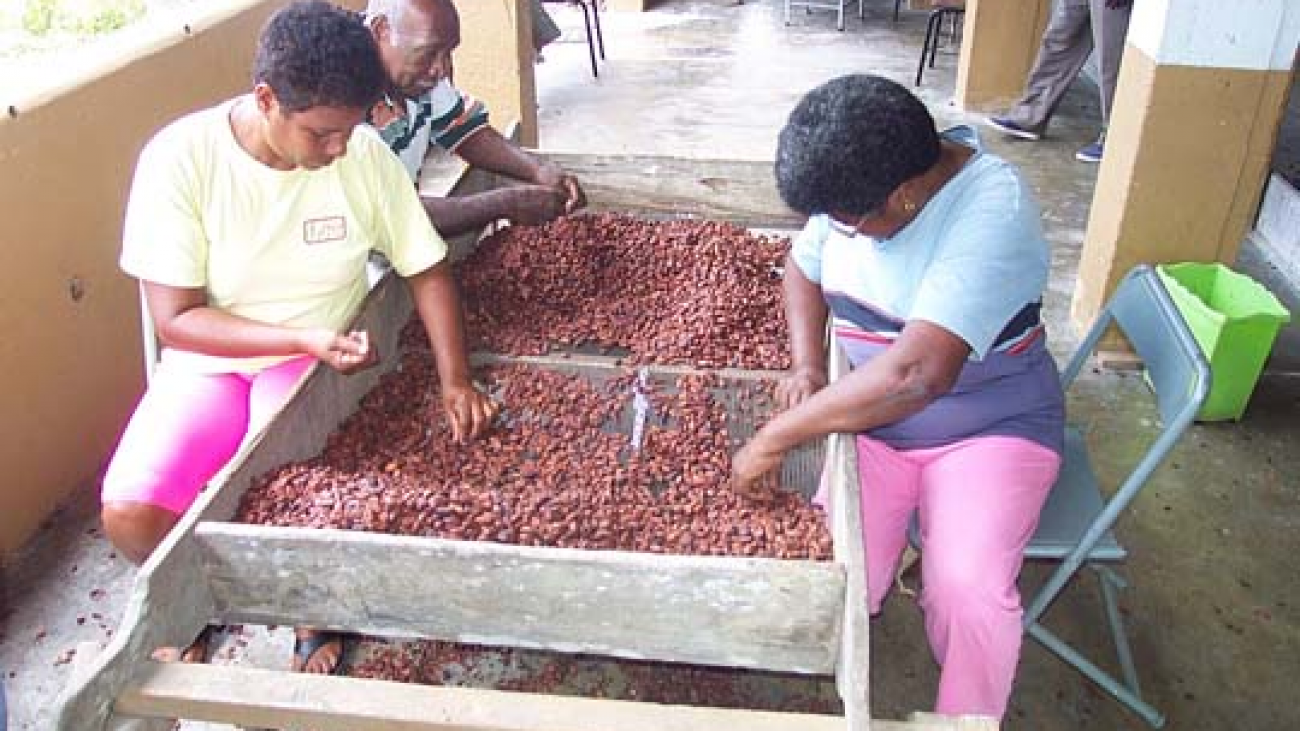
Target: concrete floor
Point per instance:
(1214, 611)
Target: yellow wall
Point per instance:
(1001, 42)
(72, 367)
(497, 66)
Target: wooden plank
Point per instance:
(277, 699)
(167, 607)
(742, 192)
(564, 360)
(853, 673)
(734, 612)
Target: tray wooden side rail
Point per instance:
(261, 698)
(735, 612)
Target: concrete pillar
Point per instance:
(495, 62)
(1000, 42)
(1198, 106)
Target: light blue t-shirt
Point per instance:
(974, 262)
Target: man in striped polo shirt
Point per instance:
(421, 107)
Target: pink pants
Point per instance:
(188, 425)
(978, 502)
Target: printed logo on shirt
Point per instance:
(322, 230)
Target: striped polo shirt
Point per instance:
(974, 262)
(444, 116)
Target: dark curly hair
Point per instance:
(313, 53)
(850, 142)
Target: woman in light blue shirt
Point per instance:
(925, 255)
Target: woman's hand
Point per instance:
(751, 465)
(469, 411)
(347, 354)
(798, 386)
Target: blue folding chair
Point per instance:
(1074, 529)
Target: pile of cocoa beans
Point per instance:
(556, 469)
(430, 662)
(687, 292)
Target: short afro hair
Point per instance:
(850, 142)
(313, 53)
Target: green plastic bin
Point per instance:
(1235, 320)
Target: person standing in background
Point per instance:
(1076, 28)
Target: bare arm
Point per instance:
(489, 150)
(465, 213)
(544, 193)
(806, 313)
(922, 364)
(183, 319)
(469, 411)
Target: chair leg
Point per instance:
(944, 13)
(938, 38)
(1054, 644)
(600, 37)
(1110, 583)
(930, 38)
(1126, 692)
(591, 41)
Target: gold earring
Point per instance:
(909, 206)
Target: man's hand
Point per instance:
(552, 176)
(346, 354)
(751, 465)
(798, 386)
(574, 197)
(469, 411)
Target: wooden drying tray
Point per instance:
(790, 616)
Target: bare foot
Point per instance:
(196, 652)
(315, 651)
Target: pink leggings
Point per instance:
(978, 501)
(188, 425)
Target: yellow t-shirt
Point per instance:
(280, 247)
